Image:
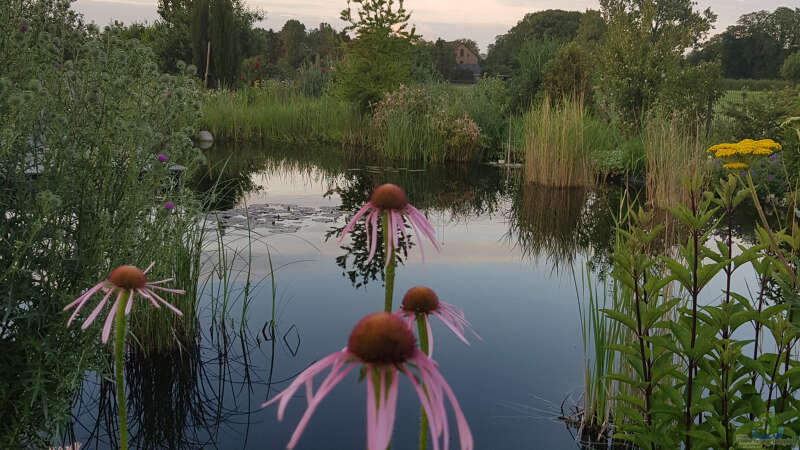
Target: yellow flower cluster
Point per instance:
(734, 155)
(763, 147)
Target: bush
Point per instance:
(791, 68)
(486, 102)
(527, 80)
(424, 123)
(568, 73)
(81, 122)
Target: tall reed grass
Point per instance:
(280, 112)
(555, 153)
(673, 151)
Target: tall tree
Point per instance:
(382, 54)
(642, 57)
(214, 22)
(553, 24)
(293, 38)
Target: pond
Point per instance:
(512, 258)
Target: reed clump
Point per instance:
(280, 112)
(672, 151)
(555, 152)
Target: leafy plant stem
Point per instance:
(422, 329)
(119, 346)
(390, 266)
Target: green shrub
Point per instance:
(81, 122)
(486, 103)
(791, 68)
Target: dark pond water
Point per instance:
(510, 256)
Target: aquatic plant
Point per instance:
(384, 347)
(389, 202)
(126, 281)
(673, 150)
(555, 152)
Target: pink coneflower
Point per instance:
(123, 280)
(392, 200)
(422, 300)
(162, 157)
(385, 346)
(169, 206)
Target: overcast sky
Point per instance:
(480, 20)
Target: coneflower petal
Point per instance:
(149, 297)
(350, 225)
(85, 296)
(149, 267)
(94, 312)
(166, 303)
(129, 304)
(110, 319)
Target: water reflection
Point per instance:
(185, 397)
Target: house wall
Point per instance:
(465, 56)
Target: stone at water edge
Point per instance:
(204, 139)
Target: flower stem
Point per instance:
(119, 345)
(390, 266)
(422, 330)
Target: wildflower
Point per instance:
(162, 157)
(383, 345)
(122, 280)
(392, 200)
(23, 28)
(422, 300)
(736, 165)
(169, 206)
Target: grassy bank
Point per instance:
(280, 112)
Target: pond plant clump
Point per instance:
(680, 374)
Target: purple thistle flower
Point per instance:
(23, 28)
(741, 174)
(169, 206)
(123, 279)
(162, 157)
(774, 157)
(422, 300)
(392, 200)
(770, 177)
(384, 345)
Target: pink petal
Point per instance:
(332, 380)
(110, 319)
(350, 225)
(149, 297)
(422, 222)
(153, 283)
(129, 305)
(149, 267)
(82, 300)
(387, 239)
(430, 336)
(84, 297)
(433, 419)
(95, 312)
(174, 291)
(397, 223)
(373, 219)
(419, 238)
(153, 293)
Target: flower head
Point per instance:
(385, 346)
(127, 282)
(736, 155)
(392, 200)
(169, 206)
(162, 157)
(23, 28)
(422, 301)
